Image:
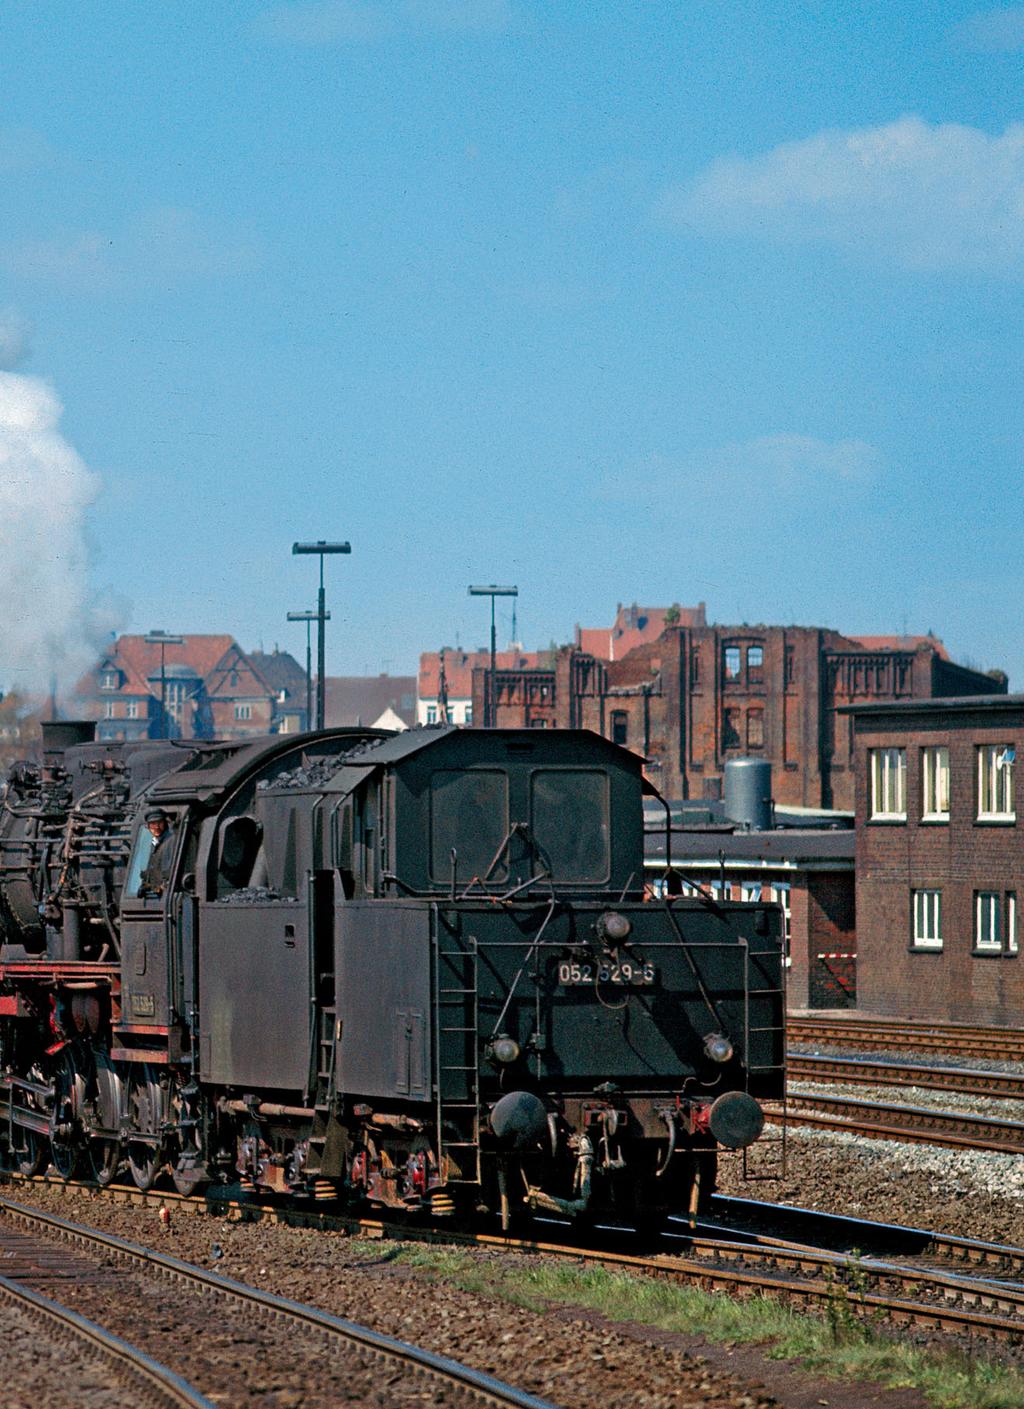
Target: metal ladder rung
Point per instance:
(457, 1029)
(455, 992)
(450, 1066)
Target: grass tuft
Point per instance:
(839, 1345)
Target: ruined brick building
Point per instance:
(690, 696)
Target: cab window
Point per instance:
(468, 813)
(569, 817)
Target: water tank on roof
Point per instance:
(748, 793)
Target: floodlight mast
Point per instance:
(491, 710)
(322, 548)
(163, 640)
(308, 617)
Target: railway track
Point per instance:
(923, 1282)
(138, 1376)
(434, 1371)
(879, 1120)
(881, 1034)
(869, 1071)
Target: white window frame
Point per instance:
(432, 714)
(1011, 921)
(995, 783)
(935, 783)
(131, 709)
(751, 891)
(243, 711)
(926, 919)
(108, 709)
(110, 680)
(987, 915)
(888, 781)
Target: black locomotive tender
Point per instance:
(416, 970)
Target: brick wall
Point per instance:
(957, 858)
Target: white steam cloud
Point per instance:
(47, 627)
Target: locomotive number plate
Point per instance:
(626, 972)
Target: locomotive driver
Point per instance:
(156, 874)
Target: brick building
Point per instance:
(204, 687)
(447, 679)
(940, 858)
(695, 696)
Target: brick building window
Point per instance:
(695, 666)
(1010, 907)
(755, 664)
(243, 711)
(730, 729)
(110, 680)
(620, 726)
(935, 785)
(108, 709)
(888, 769)
(789, 666)
(926, 919)
(131, 710)
(995, 783)
(468, 718)
(731, 662)
(755, 729)
(431, 714)
(988, 937)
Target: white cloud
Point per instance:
(165, 242)
(924, 196)
(47, 624)
(781, 465)
(355, 21)
(998, 31)
(14, 339)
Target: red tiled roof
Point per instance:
(139, 660)
(459, 667)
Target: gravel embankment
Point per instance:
(40, 1370)
(574, 1364)
(966, 1193)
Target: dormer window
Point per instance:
(110, 679)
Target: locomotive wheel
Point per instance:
(66, 1143)
(188, 1169)
(104, 1151)
(32, 1155)
(104, 1160)
(145, 1102)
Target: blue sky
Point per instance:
(615, 301)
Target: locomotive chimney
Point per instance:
(60, 734)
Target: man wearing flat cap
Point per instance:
(156, 874)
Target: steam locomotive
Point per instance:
(416, 970)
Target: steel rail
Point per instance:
(860, 1033)
(874, 1072)
(866, 1233)
(484, 1387)
(782, 1256)
(921, 1125)
(154, 1381)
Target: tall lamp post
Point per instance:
(163, 640)
(308, 618)
(322, 548)
(491, 712)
